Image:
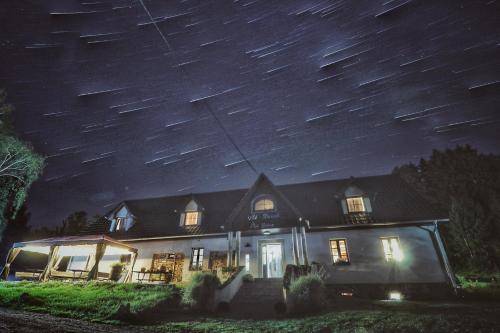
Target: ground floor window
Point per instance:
(338, 249)
(392, 250)
(169, 262)
(197, 259)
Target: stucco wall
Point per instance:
(367, 262)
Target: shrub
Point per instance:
(200, 291)
(248, 278)
(307, 294)
(280, 307)
(223, 307)
(116, 271)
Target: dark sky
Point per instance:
(306, 90)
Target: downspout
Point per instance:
(436, 237)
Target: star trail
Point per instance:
(131, 99)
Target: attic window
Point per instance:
(191, 218)
(264, 203)
(355, 205)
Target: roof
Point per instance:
(392, 200)
(74, 240)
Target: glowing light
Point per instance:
(38, 249)
(392, 249)
(267, 233)
(395, 296)
(113, 250)
(76, 250)
(347, 294)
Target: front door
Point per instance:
(272, 260)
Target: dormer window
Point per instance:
(192, 214)
(191, 218)
(121, 219)
(264, 203)
(355, 205)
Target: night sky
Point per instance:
(125, 106)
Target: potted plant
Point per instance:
(116, 271)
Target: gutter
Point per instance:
(173, 237)
(378, 225)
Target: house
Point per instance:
(364, 232)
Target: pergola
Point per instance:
(95, 246)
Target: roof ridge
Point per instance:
(192, 194)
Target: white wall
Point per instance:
(367, 261)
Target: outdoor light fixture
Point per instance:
(395, 296)
(267, 233)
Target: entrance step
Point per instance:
(257, 299)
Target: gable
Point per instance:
(245, 217)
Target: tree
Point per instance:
(74, 224)
(20, 166)
(466, 183)
(16, 230)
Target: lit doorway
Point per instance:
(272, 260)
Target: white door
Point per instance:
(272, 265)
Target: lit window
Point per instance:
(392, 250)
(191, 218)
(119, 223)
(197, 259)
(338, 248)
(355, 205)
(247, 262)
(263, 205)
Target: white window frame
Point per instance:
(392, 248)
(187, 218)
(355, 207)
(336, 257)
(197, 254)
(264, 198)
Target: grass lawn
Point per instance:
(423, 318)
(99, 301)
(90, 301)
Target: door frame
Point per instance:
(261, 242)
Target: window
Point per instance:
(263, 205)
(338, 248)
(78, 263)
(355, 205)
(119, 223)
(392, 250)
(197, 259)
(191, 218)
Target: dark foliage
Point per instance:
(467, 184)
(200, 291)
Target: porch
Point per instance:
(275, 248)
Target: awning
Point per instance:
(42, 245)
(96, 245)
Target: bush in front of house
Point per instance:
(306, 294)
(248, 278)
(116, 271)
(200, 291)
